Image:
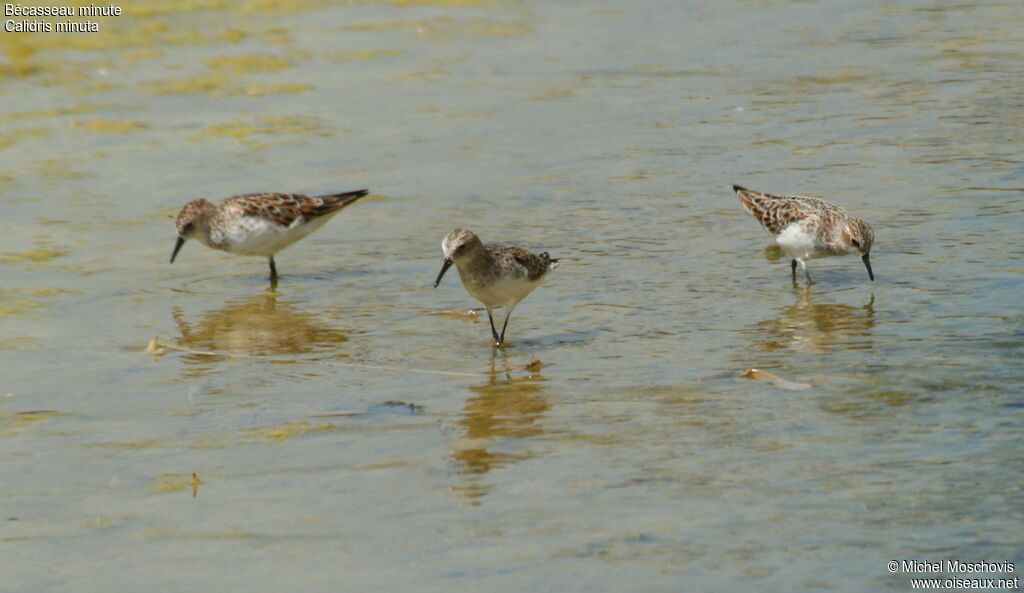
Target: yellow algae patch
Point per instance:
(278, 88)
(14, 136)
(232, 35)
(34, 255)
(481, 29)
(15, 308)
(553, 94)
(97, 86)
(145, 27)
(248, 64)
(148, 8)
(109, 126)
(18, 343)
(117, 34)
(151, 8)
(451, 3)
(838, 76)
(234, 129)
(423, 74)
(418, 26)
(486, 28)
(446, 28)
(49, 113)
(275, 36)
(387, 462)
(18, 69)
(141, 54)
(57, 169)
(48, 291)
(13, 421)
(145, 35)
(172, 482)
(773, 252)
(371, 54)
(67, 74)
(279, 7)
(148, 444)
(17, 50)
(18, 55)
(201, 83)
(264, 126)
(220, 71)
(279, 433)
(16, 297)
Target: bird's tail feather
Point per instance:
(747, 198)
(339, 201)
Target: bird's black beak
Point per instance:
(177, 247)
(867, 264)
(444, 268)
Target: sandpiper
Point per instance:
(497, 276)
(806, 227)
(258, 224)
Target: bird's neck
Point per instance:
(210, 230)
(477, 266)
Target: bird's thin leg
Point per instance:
(807, 274)
(273, 270)
(792, 266)
(501, 340)
(494, 332)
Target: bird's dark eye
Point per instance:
(460, 248)
(187, 228)
(855, 242)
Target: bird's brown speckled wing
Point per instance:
(285, 209)
(775, 213)
(535, 265)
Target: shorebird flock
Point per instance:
(498, 276)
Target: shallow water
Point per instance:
(347, 434)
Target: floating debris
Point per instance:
(397, 403)
(156, 348)
(775, 380)
(534, 366)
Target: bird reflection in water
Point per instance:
(257, 325)
(813, 327)
(502, 409)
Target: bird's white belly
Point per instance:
(504, 292)
(257, 236)
(797, 242)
